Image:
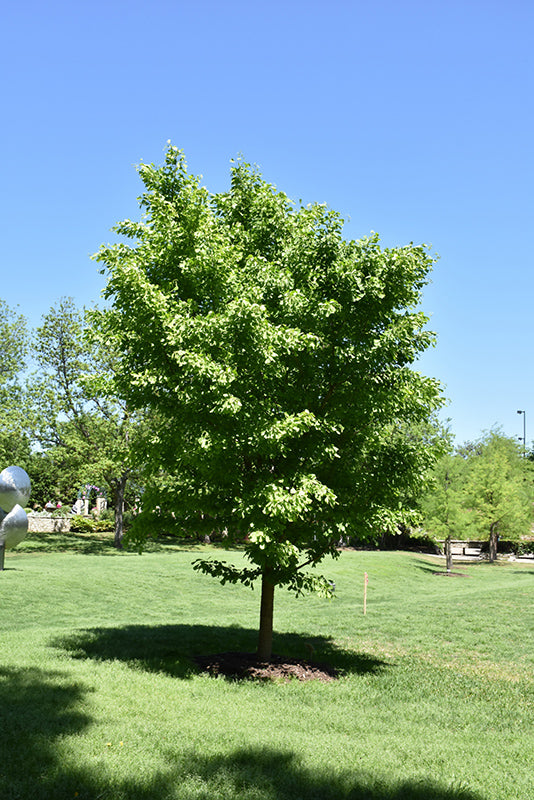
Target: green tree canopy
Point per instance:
(14, 440)
(444, 504)
(275, 358)
(483, 491)
(85, 433)
(499, 490)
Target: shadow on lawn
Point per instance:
(37, 709)
(254, 774)
(459, 566)
(438, 567)
(97, 543)
(40, 710)
(266, 773)
(171, 649)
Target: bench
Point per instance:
(464, 548)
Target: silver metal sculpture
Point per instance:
(14, 494)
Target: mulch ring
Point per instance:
(241, 666)
(452, 574)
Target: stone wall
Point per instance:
(48, 524)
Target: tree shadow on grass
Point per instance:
(252, 773)
(37, 709)
(459, 566)
(438, 568)
(266, 773)
(95, 543)
(98, 543)
(171, 649)
(40, 709)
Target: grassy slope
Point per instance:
(99, 696)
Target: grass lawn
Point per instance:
(100, 698)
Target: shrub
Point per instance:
(525, 548)
(81, 524)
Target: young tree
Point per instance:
(444, 510)
(87, 432)
(275, 357)
(499, 490)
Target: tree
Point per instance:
(54, 473)
(14, 343)
(499, 490)
(444, 508)
(14, 442)
(84, 431)
(275, 358)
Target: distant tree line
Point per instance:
(482, 491)
(56, 422)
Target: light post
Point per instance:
(524, 432)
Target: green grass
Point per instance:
(100, 697)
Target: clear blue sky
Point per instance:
(412, 118)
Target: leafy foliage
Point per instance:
(274, 357)
(83, 431)
(499, 490)
(53, 475)
(444, 504)
(14, 439)
(81, 524)
(484, 491)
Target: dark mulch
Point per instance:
(239, 666)
(452, 574)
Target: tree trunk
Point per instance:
(265, 638)
(448, 554)
(118, 498)
(493, 542)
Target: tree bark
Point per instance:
(448, 554)
(493, 542)
(118, 502)
(265, 638)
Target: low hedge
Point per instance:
(81, 524)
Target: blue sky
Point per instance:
(413, 119)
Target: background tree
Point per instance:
(444, 509)
(275, 357)
(87, 432)
(499, 490)
(54, 474)
(14, 439)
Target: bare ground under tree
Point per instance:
(241, 666)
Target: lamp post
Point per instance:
(524, 432)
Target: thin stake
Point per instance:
(365, 582)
